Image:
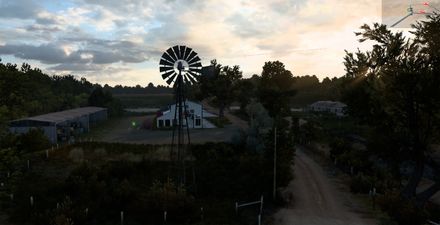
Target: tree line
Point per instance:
(27, 91)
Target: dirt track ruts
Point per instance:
(316, 200)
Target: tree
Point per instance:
(222, 85)
(244, 92)
(99, 97)
(34, 140)
(103, 98)
(394, 87)
(275, 89)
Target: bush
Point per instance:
(360, 184)
(34, 140)
(76, 155)
(404, 212)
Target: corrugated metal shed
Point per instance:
(58, 117)
(63, 125)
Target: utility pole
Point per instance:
(275, 165)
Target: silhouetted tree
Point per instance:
(276, 88)
(394, 88)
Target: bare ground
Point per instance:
(317, 200)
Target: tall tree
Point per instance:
(276, 88)
(394, 87)
(221, 85)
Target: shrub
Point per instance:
(360, 184)
(76, 155)
(34, 140)
(404, 212)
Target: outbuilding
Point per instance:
(196, 116)
(337, 108)
(61, 126)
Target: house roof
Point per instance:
(57, 117)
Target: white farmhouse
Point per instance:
(336, 108)
(195, 115)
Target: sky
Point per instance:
(121, 41)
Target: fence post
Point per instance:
(201, 213)
(165, 216)
(122, 217)
(259, 219)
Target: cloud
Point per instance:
(76, 67)
(48, 54)
(103, 39)
(95, 51)
(21, 9)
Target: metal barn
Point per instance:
(61, 126)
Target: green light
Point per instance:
(133, 123)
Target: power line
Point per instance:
(268, 53)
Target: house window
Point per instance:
(198, 122)
(167, 123)
(160, 123)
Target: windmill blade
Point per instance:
(171, 79)
(166, 68)
(167, 74)
(192, 78)
(191, 56)
(195, 59)
(198, 71)
(196, 64)
(193, 65)
(164, 62)
(182, 52)
(186, 79)
(177, 51)
(187, 51)
(172, 55)
(167, 57)
(194, 74)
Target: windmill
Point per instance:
(180, 65)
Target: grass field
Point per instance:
(145, 100)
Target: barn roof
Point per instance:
(57, 117)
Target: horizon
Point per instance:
(115, 42)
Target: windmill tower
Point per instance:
(180, 65)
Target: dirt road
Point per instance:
(316, 199)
